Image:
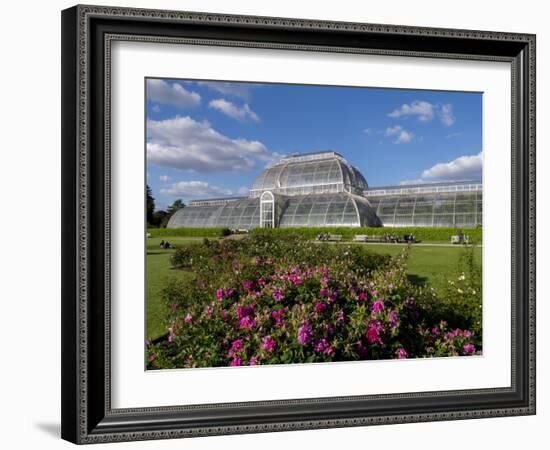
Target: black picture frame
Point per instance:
(87, 416)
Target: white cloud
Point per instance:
(186, 144)
(445, 113)
(195, 189)
(156, 108)
(423, 110)
(235, 89)
(230, 109)
(461, 168)
(174, 94)
(402, 136)
(164, 178)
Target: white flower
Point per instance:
(460, 291)
(462, 277)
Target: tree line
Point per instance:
(160, 218)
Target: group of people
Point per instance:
(165, 245)
(392, 238)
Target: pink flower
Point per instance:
(373, 333)
(305, 333)
(467, 334)
(401, 353)
(324, 347)
(236, 361)
(269, 344)
(253, 361)
(320, 307)
(323, 292)
(188, 318)
(469, 349)
(278, 295)
(258, 260)
(362, 296)
(295, 279)
(247, 323)
(378, 307)
(394, 319)
(278, 315)
(237, 345)
(219, 294)
(248, 285)
(261, 281)
(243, 311)
(228, 293)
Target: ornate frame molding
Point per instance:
(88, 421)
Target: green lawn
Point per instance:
(427, 264)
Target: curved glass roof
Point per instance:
(310, 173)
(237, 214)
(462, 209)
(327, 210)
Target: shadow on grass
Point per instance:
(417, 280)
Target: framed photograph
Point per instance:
(281, 224)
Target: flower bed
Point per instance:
(265, 300)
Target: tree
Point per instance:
(150, 206)
(178, 204)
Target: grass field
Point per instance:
(430, 264)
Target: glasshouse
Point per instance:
(323, 190)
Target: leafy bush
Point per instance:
(421, 233)
(189, 232)
(278, 300)
(460, 301)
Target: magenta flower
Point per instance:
(219, 294)
(401, 353)
(467, 334)
(373, 333)
(469, 349)
(236, 361)
(320, 307)
(261, 281)
(323, 292)
(237, 345)
(377, 307)
(362, 296)
(278, 295)
(253, 361)
(247, 323)
(269, 344)
(435, 330)
(278, 316)
(188, 318)
(258, 261)
(324, 347)
(228, 293)
(295, 279)
(243, 311)
(394, 319)
(305, 333)
(248, 285)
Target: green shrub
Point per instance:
(189, 232)
(421, 233)
(280, 300)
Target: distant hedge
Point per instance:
(421, 233)
(189, 232)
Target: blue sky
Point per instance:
(211, 139)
